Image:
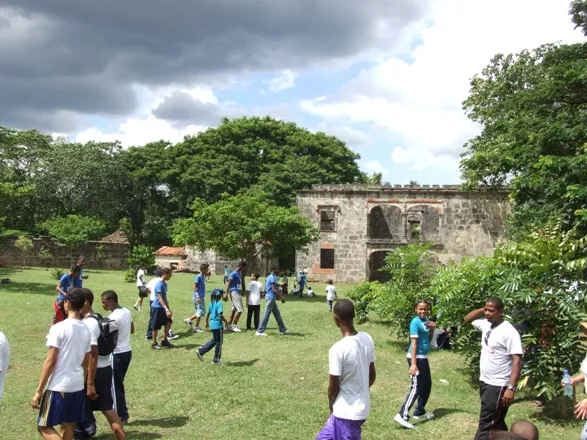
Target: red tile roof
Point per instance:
(171, 251)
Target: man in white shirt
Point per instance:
(151, 287)
(98, 379)
(122, 354)
(330, 294)
(4, 359)
(500, 366)
(253, 301)
(60, 395)
(351, 375)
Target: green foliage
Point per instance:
(141, 255)
(363, 296)
(534, 277)
(130, 275)
(25, 245)
(45, 254)
(533, 110)
(56, 274)
(74, 230)
(268, 156)
(244, 226)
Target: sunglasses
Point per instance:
(486, 339)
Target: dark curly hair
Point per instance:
(76, 299)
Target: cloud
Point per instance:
(418, 99)
(183, 109)
(87, 57)
(354, 138)
(374, 166)
(285, 81)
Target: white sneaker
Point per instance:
(427, 416)
(260, 334)
(399, 419)
(236, 329)
(287, 332)
(136, 307)
(198, 330)
(188, 322)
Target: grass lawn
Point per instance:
(271, 388)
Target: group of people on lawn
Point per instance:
(76, 378)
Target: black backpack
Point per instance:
(108, 334)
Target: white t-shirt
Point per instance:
(140, 278)
(330, 292)
(151, 286)
(123, 319)
(498, 344)
(350, 358)
(92, 324)
(255, 293)
(4, 359)
(72, 338)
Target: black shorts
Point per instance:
(158, 318)
(103, 384)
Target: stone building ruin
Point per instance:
(360, 224)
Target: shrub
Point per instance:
(141, 255)
(130, 275)
(363, 297)
(56, 274)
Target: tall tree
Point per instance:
(244, 226)
(271, 157)
(533, 110)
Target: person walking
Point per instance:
(60, 395)
(234, 288)
(199, 299)
(161, 312)
(141, 286)
(65, 283)
(122, 354)
(351, 374)
(214, 321)
(253, 301)
(421, 332)
(500, 365)
(271, 294)
(330, 294)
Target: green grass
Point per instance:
(272, 388)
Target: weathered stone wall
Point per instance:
(372, 220)
(99, 255)
(217, 263)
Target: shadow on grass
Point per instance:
(131, 435)
(187, 346)
(30, 288)
(398, 345)
(439, 413)
(172, 422)
(241, 363)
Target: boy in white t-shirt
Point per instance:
(330, 294)
(151, 287)
(122, 354)
(141, 286)
(60, 395)
(253, 301)
(351, 375)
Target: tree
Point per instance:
(270, 157)
(532, 108)
(88, 179)
(25, 245)
(373, 179)
(244, 226)
(74, 230)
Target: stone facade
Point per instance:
(360, 223)
(217, 262)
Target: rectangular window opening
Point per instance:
(326, 258)
(327, 221)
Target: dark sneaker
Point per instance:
(199, 355)
(166, 344)
(155, 347)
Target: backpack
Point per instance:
(108, 334)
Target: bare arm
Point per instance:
(48, 367)
(275, 290)
(92, 368)
(476, 314)
(59, 289)
(372, 374)
(508, 395)
(333, 389)
(132, 327)
(163, 303)
(413, 367)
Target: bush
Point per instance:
(56, 274)
(363, 297)
(141, 255)
(130, 275)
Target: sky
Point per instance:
(388, 77)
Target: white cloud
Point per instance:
(354, 138)
(374, 166)
(285, 81)
(419, 102)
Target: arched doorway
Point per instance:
(376, 262)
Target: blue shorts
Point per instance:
(199, 306)
(58, 408)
